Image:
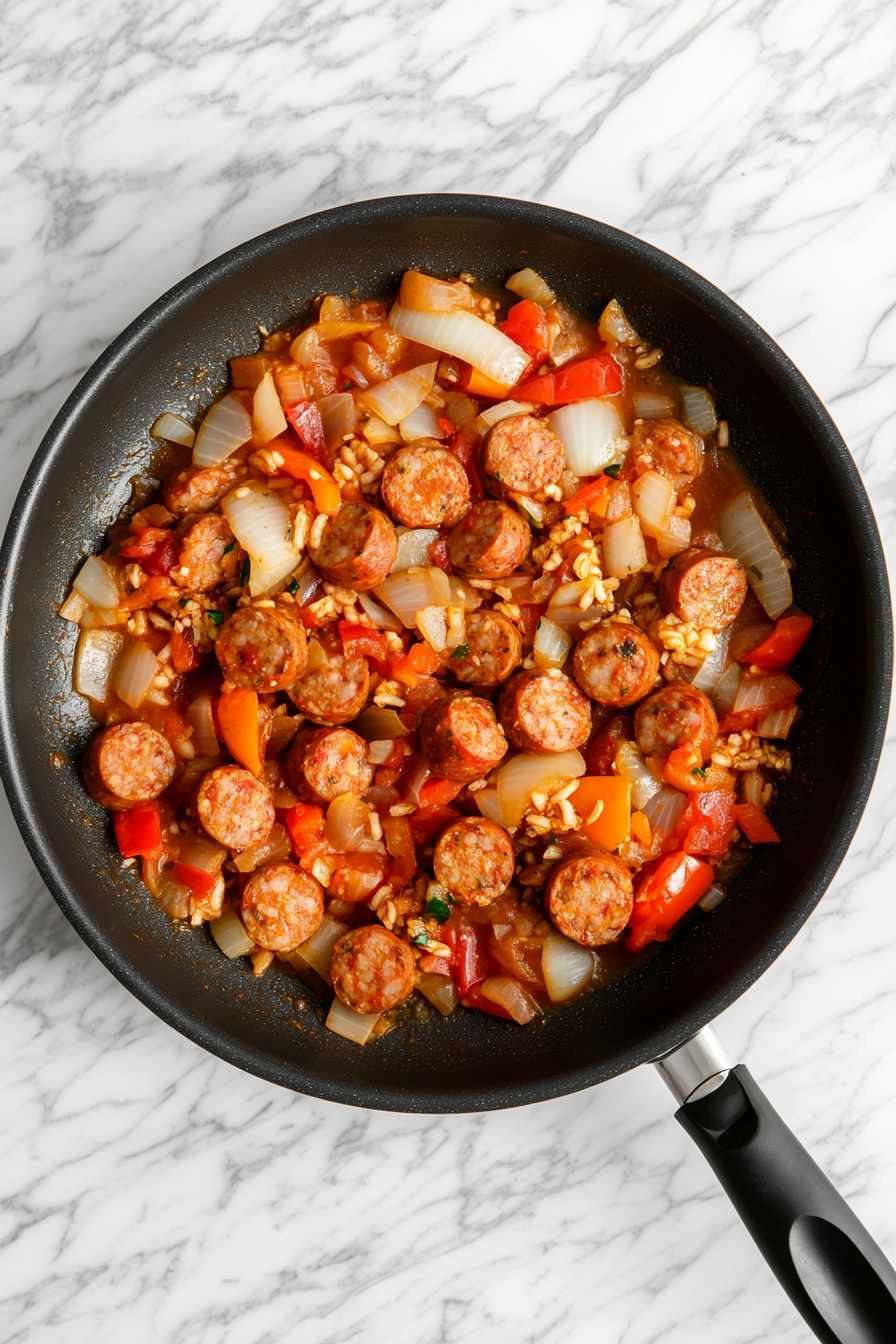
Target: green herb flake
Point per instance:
(346, 386)
(462, 651)
(439, 910)
(216, 617)
(613, 470)
(754, 569)
(421, 939)
(498, 476)
(292, 587)
(245, 571)
(228, 548)
(699, 771)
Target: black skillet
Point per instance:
(174, 357)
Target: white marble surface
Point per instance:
(152, 1193)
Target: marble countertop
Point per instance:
(152, 1192)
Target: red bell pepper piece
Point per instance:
(198, 880)
(305, 824)
(527, 326)
(471, 963)
(667, 893)
(756, 825)
(595, 376)
(359, 641)
(163, 558)
(138, 830)
(306, 420)
(465, 453)
(147, 540)
(706, 824)
(427, 822)
(183, 651)
(474, 998)
(779, 649)
(438, 792)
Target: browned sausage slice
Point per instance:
(490, 542)
(209, 554)
(326, 762)
(704, 587)
(199, 489)
(127, 764)
(282, 906)
(234, 807)
(676, 716)
(590, 897)
(492, 648)
(669, 447)
(335, 692)
(462, 737)
(473, 859)
(372, 969)
(358, 547)
(616, 664)
(544, 711)
(522, 456)
(262, 648)
(425, 487)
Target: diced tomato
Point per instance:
(527, 327)
(594, 376)
(667, 892)
(600, 752)
(465, 453)
(138, 830)
(706, 824)
(745, 718)
(163, 558)
(305, 824)
(438, 555)
(199, 882)
(756, 825)
(183, 651)
(779, 649)
(438, 792)
(306, 420)
(474, 998)
(359, 641)
(427, 822)
(147, 540)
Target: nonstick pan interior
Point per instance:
(174, 358)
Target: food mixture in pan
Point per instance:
(449, 659)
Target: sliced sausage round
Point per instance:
(669, 447)
(544, 711)
(372, 969)
(590, 897)
(234, 807)
(492, 648)
(490, 542)
(335, 692)
(199, 489)
(425, 487)
(462, 737)
(358, 547)
(282, 906)
(704, 587)
(677, 716)
(522, 456)
(616, 664)
(262, 648)
(209, 553)
(473, 859)
(127, 764)
(326, 762)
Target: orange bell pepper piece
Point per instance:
(684, 769)
(304, 467)
(592, 498)
(756, 825)
(478, 385)
(611, 828)
(640, 829)
(419, 661)
(238, 720)
(305, 824)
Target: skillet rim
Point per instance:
(760, 346)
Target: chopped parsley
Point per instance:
(245, 571)
(292, 587)
(421, 939)
(498, 476)
(462, 651)
(439, 910)
(216, 617)
(613, 470)
(699, 771)
(228, 548)
(346, 386)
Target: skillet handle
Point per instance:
(832, 1270)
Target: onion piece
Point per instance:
(725, 692)
(95, 659)
(414, 590)
(338, 414)
(261, 523)
(566, 966)
(510, 995)
(266, 580)
(228, 932)
(652, 406)
(413, 548)
(460, 409)
(379, 725)
(502, 410)
(172, 897)
(614, 326)
(394, 399)
(134, 672)
(462, 594)
(713, 896)
(664, 809)
(353, 1026)
(468, 337)
(488, 804)
(564, 610)
(440, 990)
(624, 549)
(275, 848)
(552, 644)
(531, 509)
(710, 670)
(525, 774)
(381, 616)
(652, 498)
(379, 750)
(770, 692)
(425, 293)
(778, 723)
(202, 721)
(304, 348)
(318, 949)
(73, 608)
(432, 622)
(290, 385)
(528, 284)
(675, 536)
(346, 822)
(267, 413)
(631, 765)
(422, 423)
(227, 427)
(587, 430)
(174, 429)
(376, 431)
(746, 537)
(96, 583)
(698, 409)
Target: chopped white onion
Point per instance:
(524, 774)
(413, 547)
(566, 966)
(266, 580)
(267, 413)
(713, 896)
(441, 991)
(461, 409)
(552, 644)
(95, 659)
(531, 509)
(432, 622)
(726, 688)
(96, 583)
(422, 423)
(768, 692)
(510, 995)
(462, 594)
(290, 385)
(346, 822)
(378, 724)
(338, 414)
(353, 1026)
(379, 750)
(631, 765)
(564, 609)
(587, 430)
(528, 284)
(698, 409)
(614, 326)
(227, 427)
(228, 932)
(488, 804)
(394, 399)
(778, 723)
(410, 592)
(174, 429)
(376, 431)
(745, 536)
(466, 336)
(708, 674)
(675, 536)
(261, 523)
(304, 348)
(318, 949)
(652, 406)
(73, 608)
(381, 616)
(664, 808)
(652, 498)
(202, 721)
(502, 410)
(624, 549)
(134, 672)
(752, 786)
